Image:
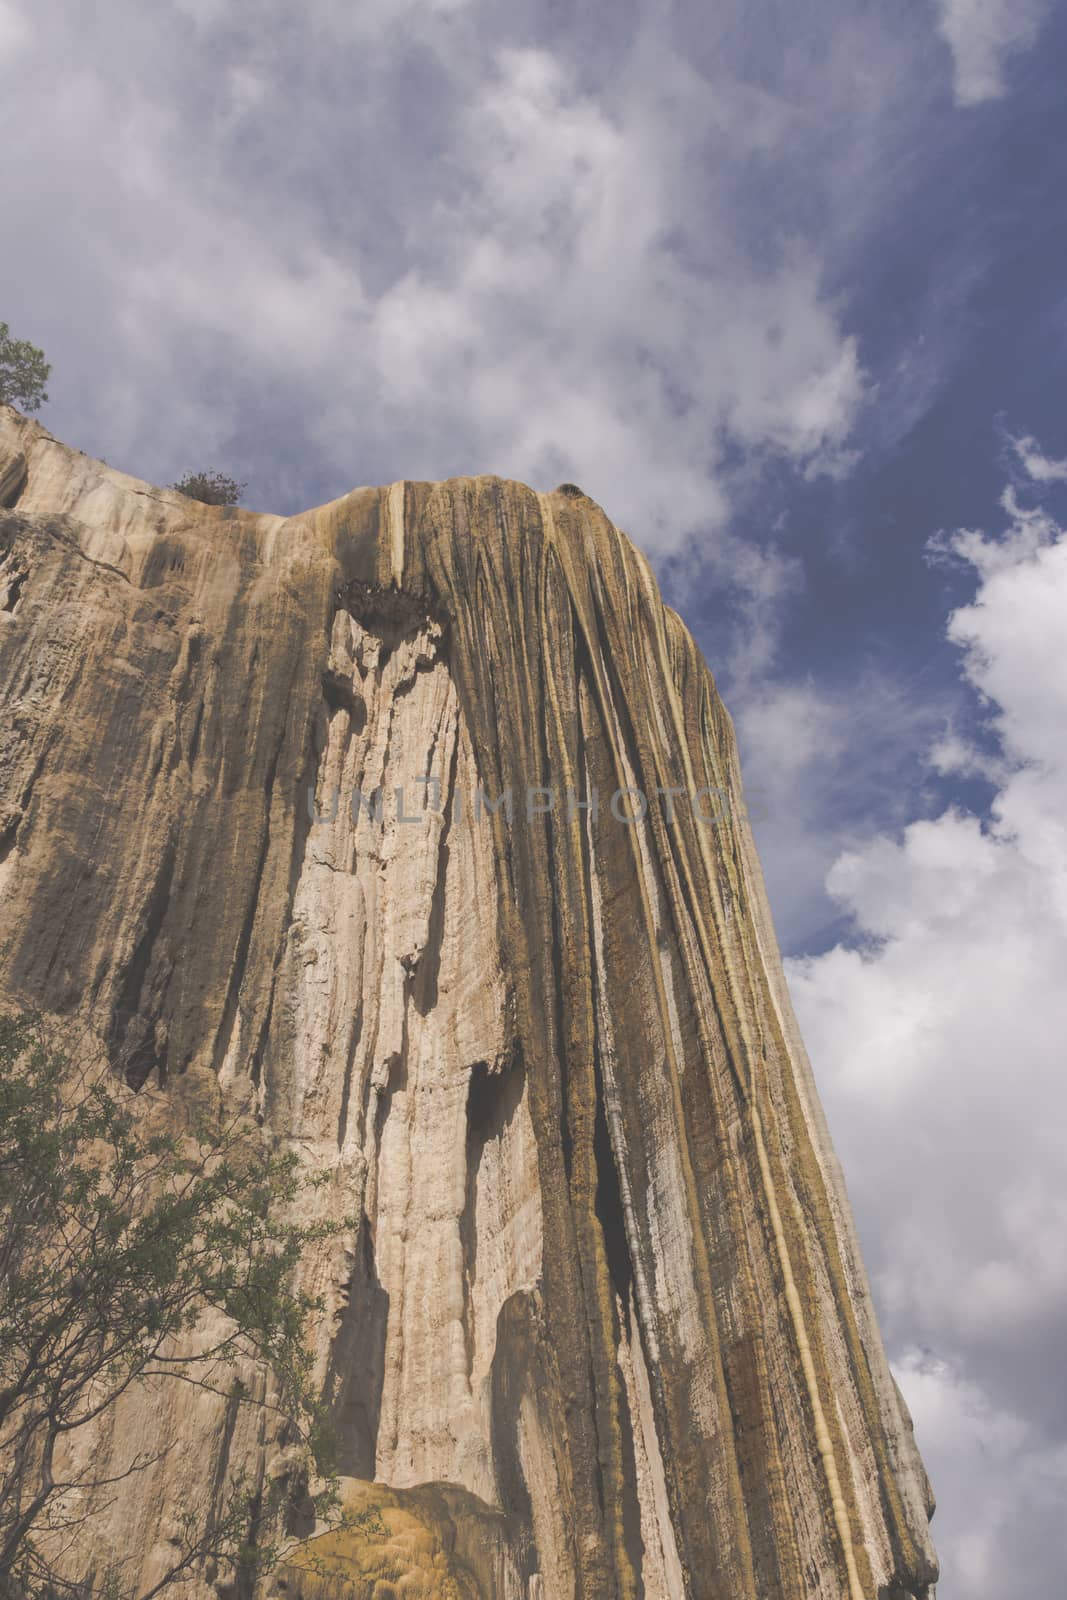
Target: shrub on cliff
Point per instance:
(133, 1260)
(212, 488)
(23, 372)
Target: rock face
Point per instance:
(603, 1329)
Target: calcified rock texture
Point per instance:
(602, 1328)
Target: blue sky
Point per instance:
(783, 288)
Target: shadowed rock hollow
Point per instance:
(602, 1329)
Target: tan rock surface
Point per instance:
(605, 1292)
(435, 1542)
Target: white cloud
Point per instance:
(338, 244)
(1036, 465)
(814, 776)
(938, 1036)
(983, 35)
(1015, 1479)
(476, 263)
(570, 336)
(953, 754)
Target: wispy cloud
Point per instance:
(1037, 466)
(983, 36)
(825, 765)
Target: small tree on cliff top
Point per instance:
(23, 372)
(212, 488)
(125, 1261)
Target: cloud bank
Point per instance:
(939, 1034)
(436, 250)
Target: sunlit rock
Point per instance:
(299, 812)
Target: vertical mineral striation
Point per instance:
(602, 1329)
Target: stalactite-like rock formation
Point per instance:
(603, 1329)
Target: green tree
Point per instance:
(213, 488)
(23, 372)
(129, 1259)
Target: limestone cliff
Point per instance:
(603, 1329)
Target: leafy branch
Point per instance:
(131, 1259)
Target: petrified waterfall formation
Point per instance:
(602, 1329)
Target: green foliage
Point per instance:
(23, 372)
(213, 488)
(133, 1260)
